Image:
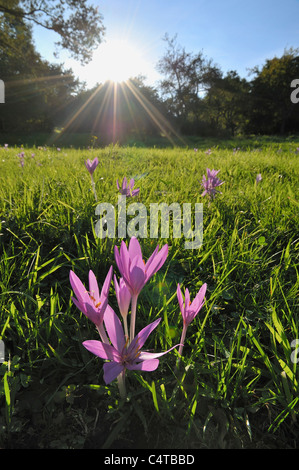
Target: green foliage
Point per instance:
(236, 386)
(78, 25)
(272, 110)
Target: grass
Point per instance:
(237, 385)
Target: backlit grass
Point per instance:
(237, 385)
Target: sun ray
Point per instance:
(158, 118)
(103, 109)
(114, 110)
(53, 138)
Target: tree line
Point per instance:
(194, 96)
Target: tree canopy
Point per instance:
(204, 101)
(35, 90)
(79, 25)
(272, 109)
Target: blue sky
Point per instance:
(236, 34)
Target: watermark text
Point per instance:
(181, 220)
(295, 93)
(2, 92)
(2, 351)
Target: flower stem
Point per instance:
(122, 384)
(133, 316)
(102, 333)
(94, 188)
(125, 317)
(182, 340)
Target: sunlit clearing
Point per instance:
(116, 61)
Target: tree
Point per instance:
(227, 103)
(78, 24)
(187, 78)
(36, 92)
(272, 110)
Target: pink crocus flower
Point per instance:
(127, 189)
(211, 183)
(91, 165)
(122, 355)
(132, 267)
(189, 309)
(258, 178)
(92, 303)
(21, 155)
(135, 271)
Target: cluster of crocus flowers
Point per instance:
(210, 183)
(126, 188)
(91, 166)
(123, 351)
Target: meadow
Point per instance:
(237, 381)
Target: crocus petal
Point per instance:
(125, 260)
(94, 164)
(180, 299)
(134, 248)
(118, 259)
(114, 329)
(124, 183)
(199, 299)
(137, 275)
(78, 288)
(107, 282)
(148, 366)
(156, 262)
(80, 305)
(102, 350)
(93, 286)
(111, 371)
(187, 299)
(152, 256)
(145, 356)
(142, 336)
